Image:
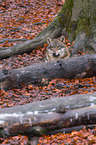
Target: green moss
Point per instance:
(65, 14)
(89, 50)
(83, 26)
(60, 20)
(73, 21)
(51, 27)
(86, 19)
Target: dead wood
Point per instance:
(41, 73)
(41, 117)
(70, 129)
(11, 40)
(27, 46)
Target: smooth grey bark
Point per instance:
(76, 20)
(42, 73)
(38, 118)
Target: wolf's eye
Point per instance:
(51, 48)
(59, 48)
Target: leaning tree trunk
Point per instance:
(76, 20)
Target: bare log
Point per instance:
(41, 117)
(70, 129)
(27, 46)
(41, 73)
(11, 40)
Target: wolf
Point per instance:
(57, 49)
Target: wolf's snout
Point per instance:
(55, 54)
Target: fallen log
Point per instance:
(70, 129)
(41, 117)
(21, 48)
(42, 73)
(10, 40)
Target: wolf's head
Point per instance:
(56, 49)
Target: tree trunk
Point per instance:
(76, 20)
(41, 117)
(42, 73)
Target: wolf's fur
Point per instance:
(57, 49)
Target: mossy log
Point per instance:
(40, 117)
(76, 21)
(42, 73)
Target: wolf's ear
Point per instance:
(49, 40)
(62, 39)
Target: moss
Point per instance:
(86, 19)
(65, 14)
(82, 24)
(60, 20)
(89, 50)
(73, 20)
(50, 28)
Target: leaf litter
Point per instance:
(22, 20)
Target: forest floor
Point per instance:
(22, 20)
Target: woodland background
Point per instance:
(22, 20)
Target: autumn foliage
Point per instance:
(24, 19)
